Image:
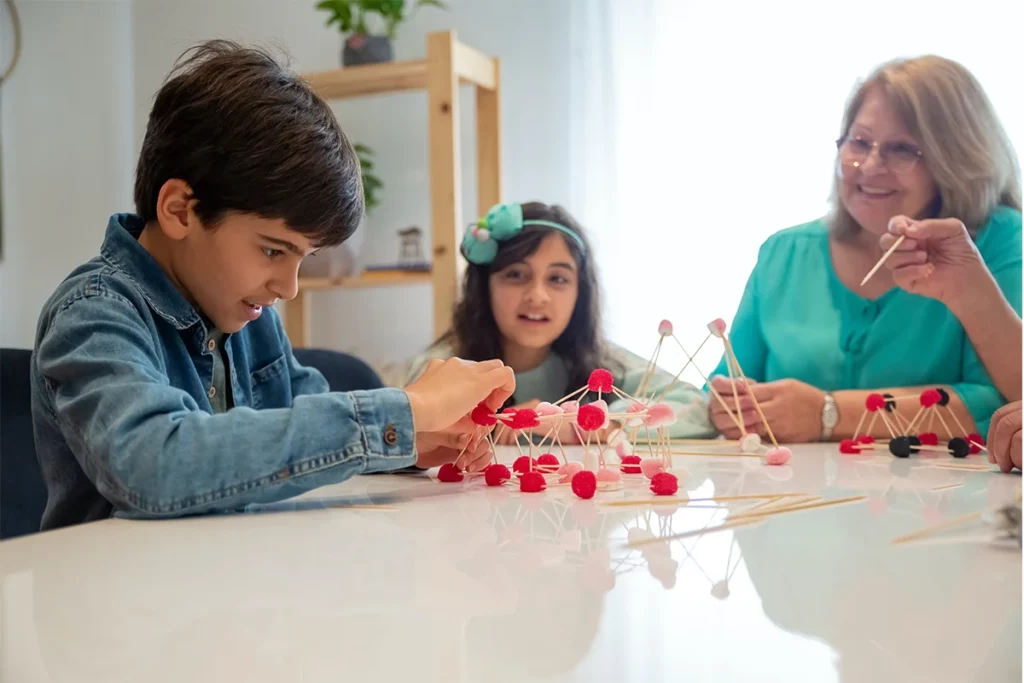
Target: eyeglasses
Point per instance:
(898, 157)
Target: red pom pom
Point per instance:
(525, 418)
(874, 402)
(976, 442)
(590, 418)
(449, 473)
(496, 475)
(631, 464)
(532, 482)
(522, 464)
(929, 439)
(548, 462)
(664, 484)
(930, 397)
(867, 438)
(600, 380)
(483, 416)
(584, 484)
(848, 446)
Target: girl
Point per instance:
(530, 297)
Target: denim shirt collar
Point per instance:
(121, 249)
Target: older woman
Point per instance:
(919, 138)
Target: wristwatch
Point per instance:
(829, 417)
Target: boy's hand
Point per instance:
(448, 390)
(437, 448)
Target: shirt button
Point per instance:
(211, 345)
(212, 392)
(390, 435)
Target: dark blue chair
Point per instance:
(22, 489)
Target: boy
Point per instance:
(162, 380)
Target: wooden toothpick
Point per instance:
(750, 391)
(882, 260)
(948, 524)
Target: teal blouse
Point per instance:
(797, 320)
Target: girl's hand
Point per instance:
(792, 408)
(1004, 437)
(448, 390)
(938, 259)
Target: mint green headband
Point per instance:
(502, 222)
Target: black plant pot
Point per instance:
(363, 49)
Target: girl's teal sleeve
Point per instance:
(745, 333)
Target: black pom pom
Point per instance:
(944, 397)
(960, 447)
(914, 441)
(900, 447)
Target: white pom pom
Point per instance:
(750, 443)
(482, 234)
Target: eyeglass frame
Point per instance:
(883, 153)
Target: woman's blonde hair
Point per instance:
(963, 144)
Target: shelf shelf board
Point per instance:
(378, 278)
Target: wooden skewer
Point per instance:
(882, 260)
(860, 424)
(947, 486)
(664, 392)
(695, 532)
(757, 404)
(768, 504)
(913, 423)
(572, 395)
(948, 524)
(712, 454)
(735, 394)
(685, 499)
(960, 466)
(798, 507)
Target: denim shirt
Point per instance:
(123, 422)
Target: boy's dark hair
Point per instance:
(248, 135)
(581, 345)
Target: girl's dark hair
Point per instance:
(475, 335)
(249, 135)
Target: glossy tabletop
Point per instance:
(460, 582)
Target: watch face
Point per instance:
(830, 416)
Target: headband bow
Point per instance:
(502, 222)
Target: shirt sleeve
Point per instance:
(745, 333)
(153, 452)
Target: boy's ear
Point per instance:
(175, 209)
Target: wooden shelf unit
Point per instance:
(448, 65)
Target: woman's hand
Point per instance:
(1004, 437)
(938, 258)
(792, 409)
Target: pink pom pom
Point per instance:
(929, 439)
(717, 327)
(660, 415)
(874, 402)
(608, 475)
(664, 484)
(639, 409)
(584, 484)
(600, 380)
(548, 462)
(778, 456)
(496, 474)
(651, 466)
(570, 407)
(545, 409)
(665, 328)
(532, 482)
(930, 397)
(623, 448)
(848, 446)
(591, 418)
(449, 473)
(522, 464)
(483, 416)
(631, 464)
(567, 471)
(524, 418)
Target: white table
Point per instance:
(465, 583)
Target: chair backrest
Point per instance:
(342, 371)
(22, 489)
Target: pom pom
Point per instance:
(929, 439)
(959, 447)
(623, 448)
(635, 408)
(545, 409)
(664, 484)
(866, 439)
(449, 473)
(777, 456)
(914, 442)
(717, 327)
(631, 464)
(524, 418)
(900, 447)
(976, 442)
(571, 407)
(890, 402)
(522, 464)
(608, 475)
(483, 416)
(600, 380)
(532, 482)
(665, 328)
(651, 466)
(943, 396)
(548, 461)
(591, 418)
(660, 415)
(720, 590)
(930, 397)
(568, 470)
(584, 484)
(750, 443)
(874, 402)
(482, 234)
(848, 446)
(496, 474)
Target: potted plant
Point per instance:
(371, 183)
(354, 18)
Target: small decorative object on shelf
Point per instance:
(411, 253)
(363, 46)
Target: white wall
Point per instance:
(66, 126)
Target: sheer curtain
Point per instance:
(702, 128)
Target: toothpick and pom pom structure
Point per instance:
(630, 464)
(548, 462)
(568, 471)
(778, 456)
(449, 473)
(584, 484)
(959, 447)
(874, 402)
(532, 482)
(665, 328)
(664, 484)
(930, 397)
(524, 418)
(523, 464)
(849, 447)
(496, 474)
(591, 418)
(482, 415)
(651, 466)
(929, 439)
(601, 380)
(750, 443)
